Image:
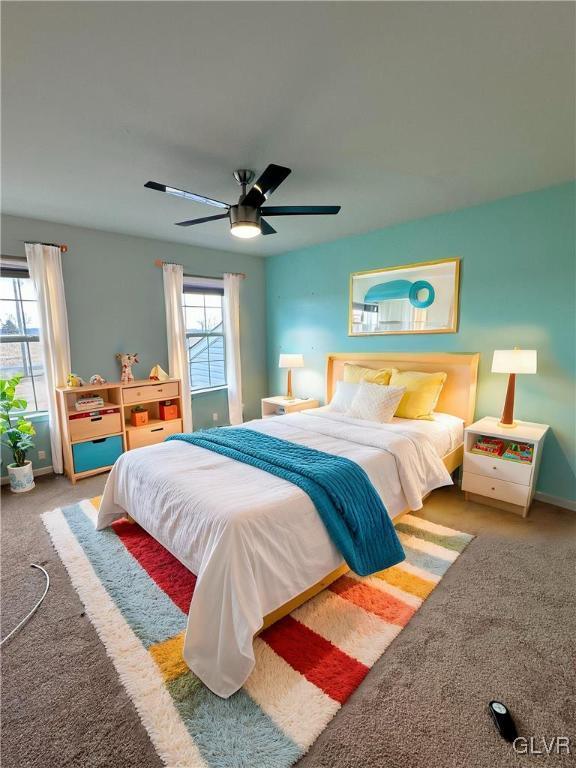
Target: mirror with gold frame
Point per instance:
(415, 298)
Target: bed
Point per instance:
(254, 540)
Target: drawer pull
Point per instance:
(493, 489)
(96, 418)
(158, 429)
(100, 440)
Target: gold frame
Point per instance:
(454, 327)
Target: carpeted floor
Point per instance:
(502, 624)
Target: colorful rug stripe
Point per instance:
(137, 596)
(169, 574)
(319, 660)
(385, 606)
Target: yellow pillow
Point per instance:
(422, 393)
(356, 373)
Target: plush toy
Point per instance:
(127, 360)
(97, 379)
(72, 380)
(158, 374)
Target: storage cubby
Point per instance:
(93, 439)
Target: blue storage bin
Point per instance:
(94, 454)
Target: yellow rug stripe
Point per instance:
(168, 657)
(407, 582)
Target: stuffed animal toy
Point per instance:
(72, 380)
(97, 379)
(127, 360)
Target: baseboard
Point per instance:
(556, 501)
(37, 472)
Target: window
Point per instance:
(205, 341)
(20, 350)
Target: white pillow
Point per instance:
(342, 398)
(375, 402)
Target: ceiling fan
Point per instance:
(246, 216)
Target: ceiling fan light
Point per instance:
(245, 230)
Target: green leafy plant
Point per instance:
(16, 432)
(138, 409)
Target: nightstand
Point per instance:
(278, 406)
(500, 482)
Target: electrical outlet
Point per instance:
(214, 417)
(41, 454)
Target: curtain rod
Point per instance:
(160, 263)
(63, 247)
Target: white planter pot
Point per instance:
(21, 478)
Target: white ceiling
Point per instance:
(393, 110)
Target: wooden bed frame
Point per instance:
(458, 398)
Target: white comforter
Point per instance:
(254, 540)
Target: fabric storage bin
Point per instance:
(94, 454)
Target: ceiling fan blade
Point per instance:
(186, 195)
(270, 180)
(266, 228)
(190, 222)
(300, 210)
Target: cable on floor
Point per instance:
(33, 611)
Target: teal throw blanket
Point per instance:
(344, 497)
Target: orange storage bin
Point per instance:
(168, 410)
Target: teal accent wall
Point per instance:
(517, 289)
(115, 302)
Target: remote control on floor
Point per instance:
(503, 720)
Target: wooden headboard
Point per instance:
(458, 395)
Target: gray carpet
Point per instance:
(502, 624)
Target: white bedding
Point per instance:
(255, 540)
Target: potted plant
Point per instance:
(138, 416)
(17, 433)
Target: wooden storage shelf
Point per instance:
(120, 398)
(73, 412)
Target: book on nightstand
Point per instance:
(521, 452)
(489, 446)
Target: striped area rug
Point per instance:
(137, 596)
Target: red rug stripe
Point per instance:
(168, 572)
(382, 604)
(321, 662)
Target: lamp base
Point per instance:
(507, 426)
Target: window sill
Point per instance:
(32, 416)
(206, 391)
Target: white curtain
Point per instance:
(232, 335)
(176, 330)
(45, 267)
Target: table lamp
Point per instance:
(290, 361)
(512, 361)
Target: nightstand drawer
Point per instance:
(496, 489)
(495, 467)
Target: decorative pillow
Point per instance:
(357, 373)
(422, 393)
(375, 402)
(342, 398)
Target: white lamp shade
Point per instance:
(291, 361)
(514, 361)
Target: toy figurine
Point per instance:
(97, 379)
(72, 380)
(127, 360)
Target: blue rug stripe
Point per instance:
(231, 733)
(136, 595)
(427, 562)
